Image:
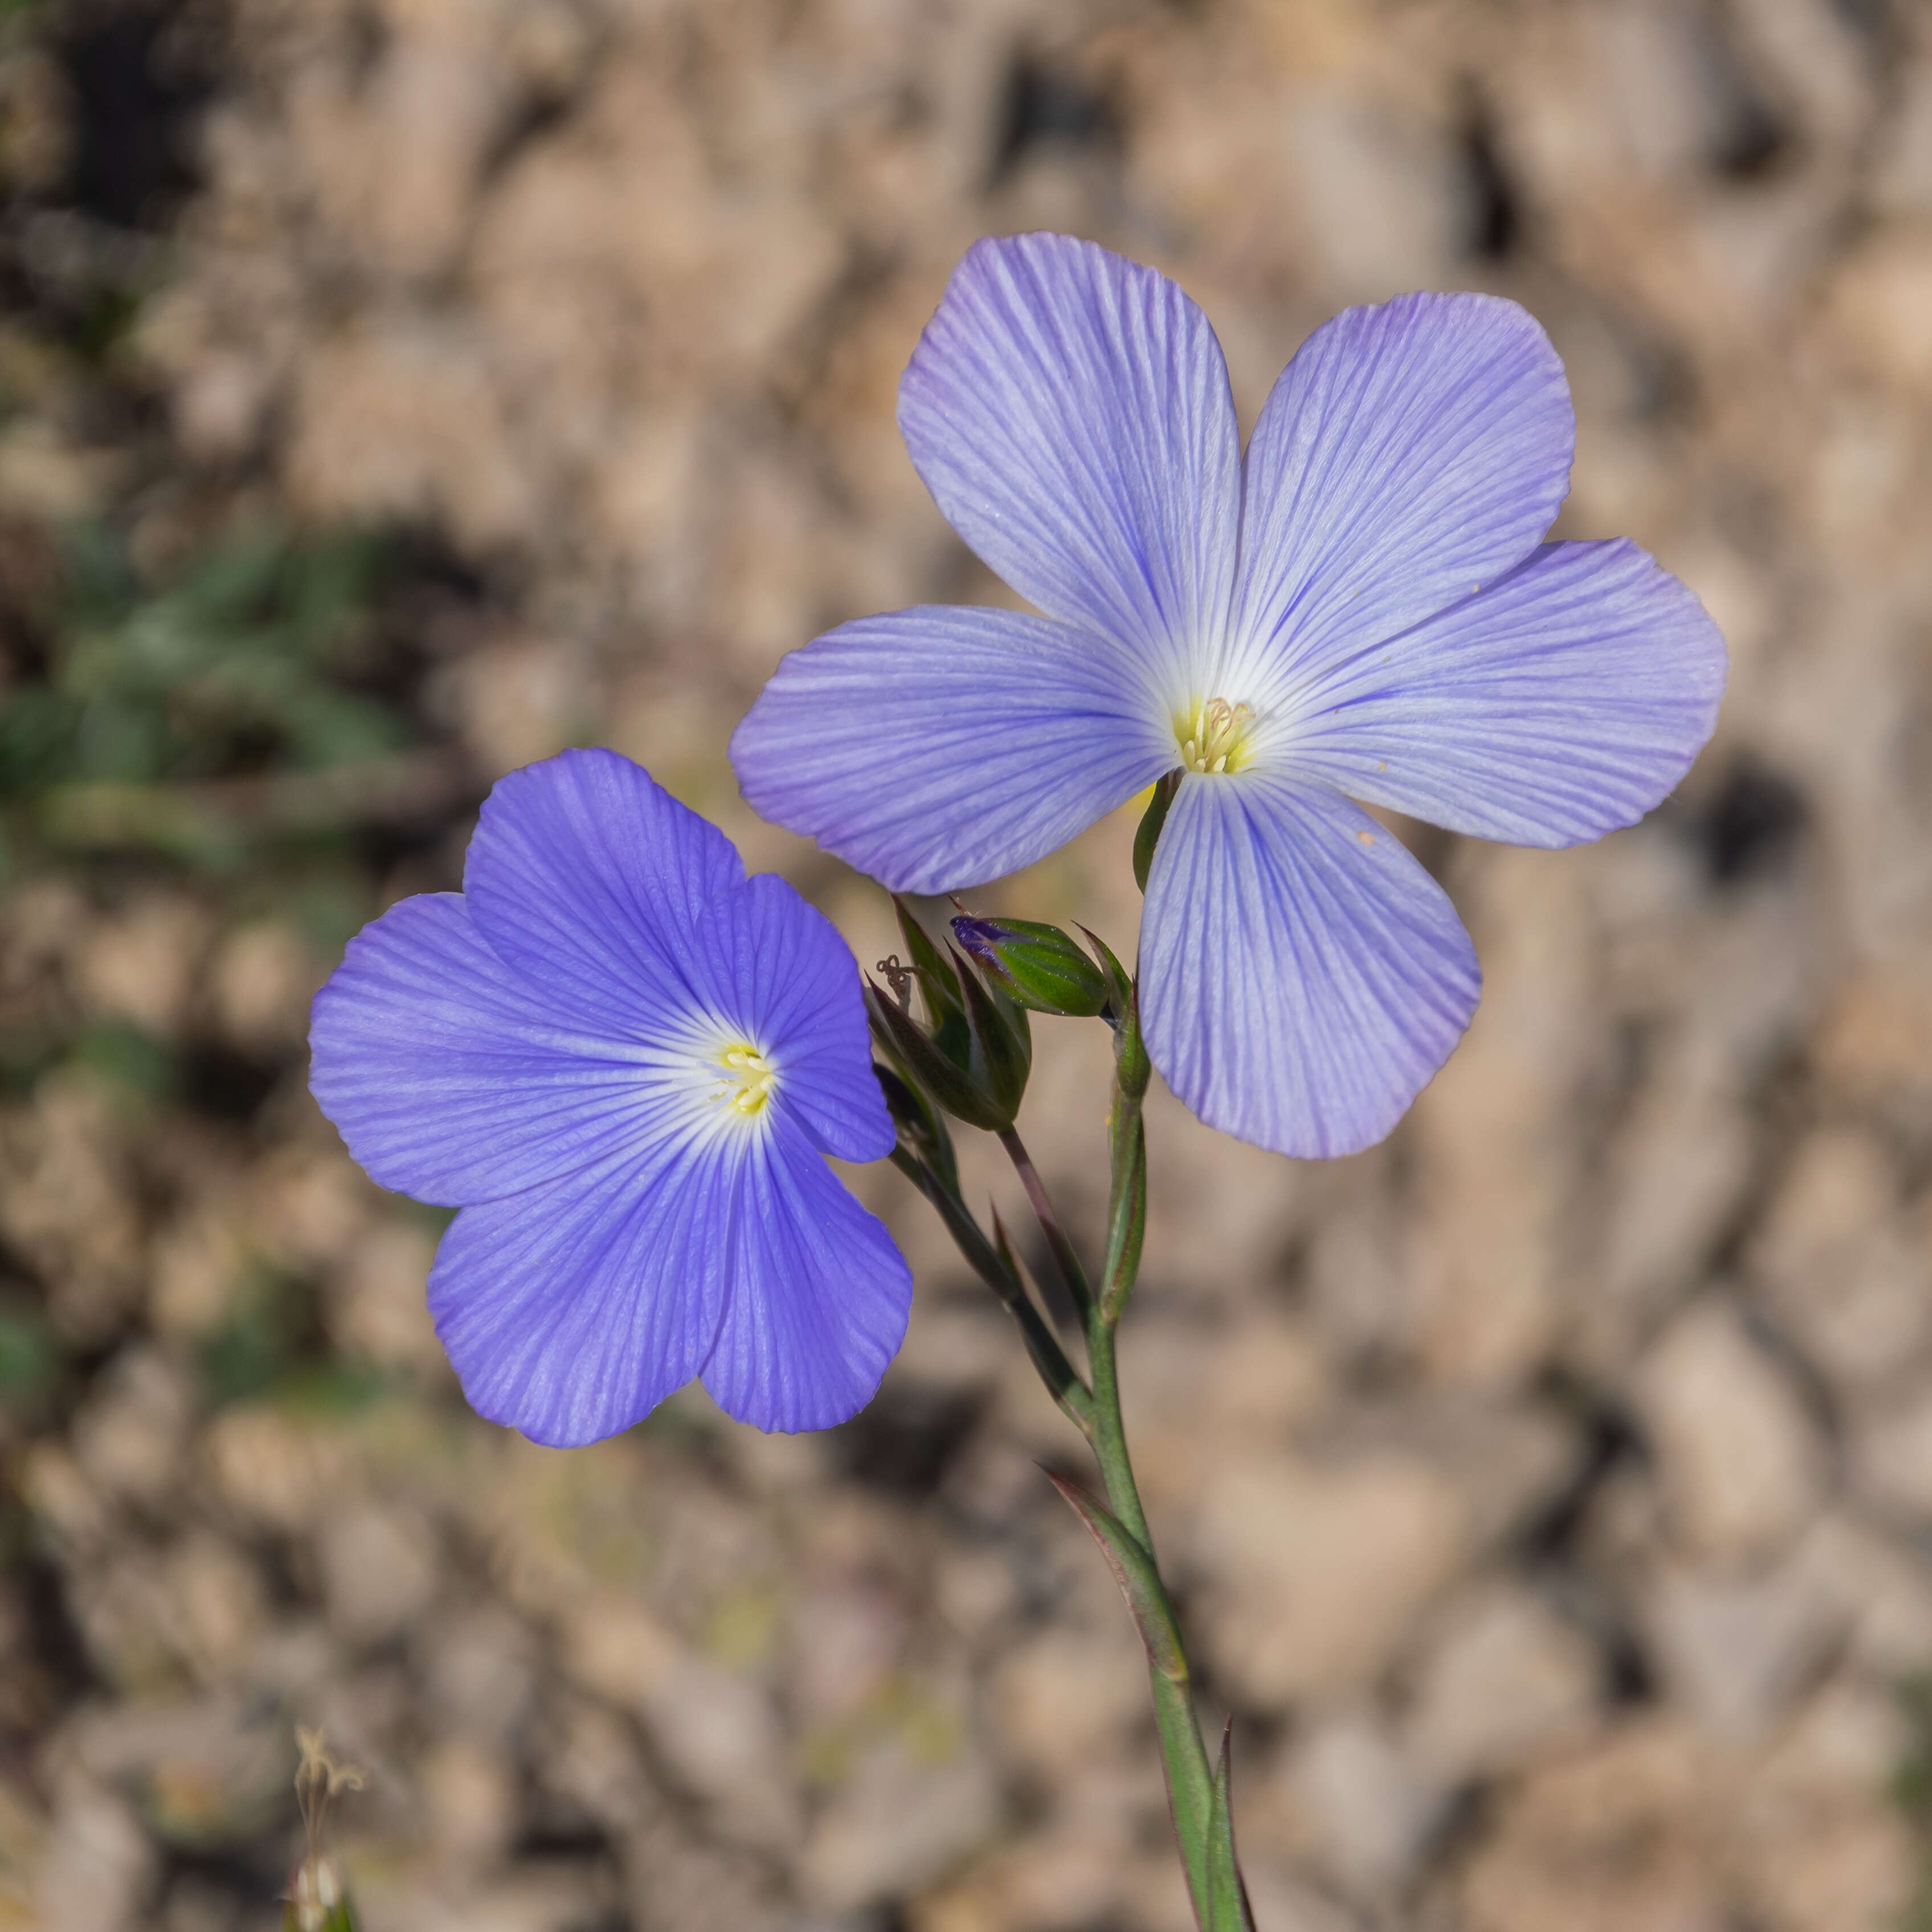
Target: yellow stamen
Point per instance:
(1212, 740)
(748, 1084)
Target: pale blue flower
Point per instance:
(1363, 608)
(625, 1062)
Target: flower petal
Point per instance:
(1302, 976)
(1566, 701)
(777, 969)
(448, 1079)
(570, 1312)
(936, 749)
(816, 1306)
(1070, 411)
(585, 875)
(1409, 452)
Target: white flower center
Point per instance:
(1215, 738)
(747, 1084)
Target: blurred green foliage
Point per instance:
(182, 718)
(271, 1348)
(29, 1359)
(244, 716)
(1912, 1789)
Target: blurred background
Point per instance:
(394, 391)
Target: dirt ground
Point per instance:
(1550, 1490)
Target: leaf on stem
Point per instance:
(1228, 1908)
(1126, 1223)
(1139, 1581)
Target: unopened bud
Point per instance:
(920, 1126)
(1038, 967)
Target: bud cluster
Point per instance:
(967, 1049)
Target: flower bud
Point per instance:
(1037, 967)
(920, 1126)
(949, 1065)
(972, 1053)
(1152, 821)
(1002, 1040)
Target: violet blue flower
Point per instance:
(625, 1061)
(1363, 608)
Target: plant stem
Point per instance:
(1097, 1411)
(1065, 1259)
(1063, 1380)
(1183, 1753)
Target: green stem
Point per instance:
(1183, 1753)
(1126, 1145)
(1096, 1412)
(1063, 1380)
(1064, 1257)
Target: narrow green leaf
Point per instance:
(1228, 1908)
(1139, 1581)
(1126, 1142)
(1189, 1795)
(1127, 1224)
(1001, 1274)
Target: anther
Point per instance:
(751, 1081)
(1215, 735)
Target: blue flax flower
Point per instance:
(625, 1061)
(1363, 607)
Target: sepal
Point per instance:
(973, 1054)
(1148, 836)
(1002, 1040)
(938, 984)
(1119, 1007)
(1037, 966)
(918, 1055)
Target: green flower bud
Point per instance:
(1037, 967)
(958, 1081)
(971, 1054)
(1002, 1040)
(920, 1125)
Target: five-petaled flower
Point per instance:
(1363, 608)
(625, 1061)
